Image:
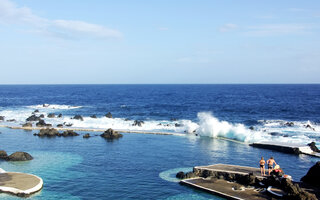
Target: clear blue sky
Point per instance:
(159, 41)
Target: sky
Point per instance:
(159, 41)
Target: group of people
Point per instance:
(270, 164)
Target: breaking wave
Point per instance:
(206, 125)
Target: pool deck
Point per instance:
(224, 188)
(20, 184)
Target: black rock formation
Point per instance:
(111, 134)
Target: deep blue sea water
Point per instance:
(143, 166)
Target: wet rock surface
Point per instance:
(111, 134)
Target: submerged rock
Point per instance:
(19, 156)
(111, 134)
(310, 127)
(93, 116)
(78, 117)
(3, 154)
(108, 115)
(60, 115)
(313, 175)
(86, 135)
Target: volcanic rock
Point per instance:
(28, 124)
(314, 147)
(69, 133)
(41, 123)
(51, 115)
(3, 154)
(313, 175)
(19, 156)
(111, 134)
(33, 118)
(78, 117)
(137, 123)
(108, 115)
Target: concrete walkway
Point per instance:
(20, 184)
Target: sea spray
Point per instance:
(212, 127)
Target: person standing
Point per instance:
(270, 163)
(262, 168)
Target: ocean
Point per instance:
(209, 124)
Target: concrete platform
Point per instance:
(287, 148)
(229, 169)
(20, 184)
(226, 189)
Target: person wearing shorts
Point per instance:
(262, 168)
(270, 163)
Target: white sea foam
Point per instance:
(206, 125)
(54, 106)
(213, 127)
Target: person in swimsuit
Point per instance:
(262, 169)
(270, 163)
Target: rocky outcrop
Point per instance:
(41, 123)
(289, 124)
(182, 175)
(1, 118)
(78, 117)
(313, 175)
(86, 135)
(313, 147)
(111, 134)
(3, 154)
(36, 111)
(51, 132)
(69, 133)
(294, 192)
(19, 156)
(48, 132)
(51, 115)
(67, 124)
(41, 116)
(137, 123)
(28, 124)
(33, 118)
(108, 115)
(93, 116)
(60, 115)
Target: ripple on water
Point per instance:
(170, 175)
